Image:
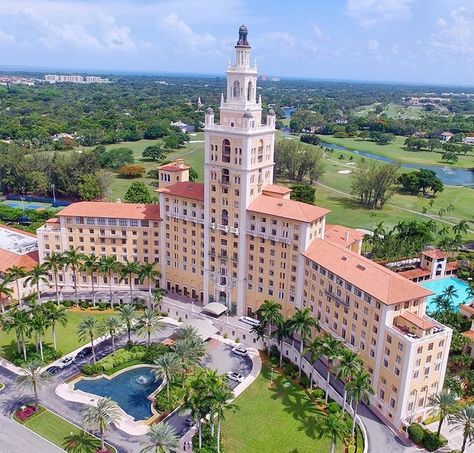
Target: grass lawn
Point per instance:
(396, 150)
(54, 428)
(66, 336)
(277, 418)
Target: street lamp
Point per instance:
(53, 187)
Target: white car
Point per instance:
(64, 363)
(233, 376)
(240, 350)
(251, 321)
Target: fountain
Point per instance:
(142, 380)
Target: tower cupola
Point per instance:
(243, 32)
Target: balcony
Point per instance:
(186, 217)
(338, 299)
(269, 236)
(224, 181)
(415, 327)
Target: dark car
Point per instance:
(53, 369)
(84, 352)
(189, 420)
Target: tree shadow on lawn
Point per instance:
(14, 402)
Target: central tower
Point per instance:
(238, 163)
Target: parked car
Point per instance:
(240, 350)
(53, 369)
(251, 321)
(189, 420)
(84, 352)
(233, 376)
(67, 361)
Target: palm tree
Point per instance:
(222, 403)
(442, 303)
(36, 276)
(162, 438)
(360, 389)
(283, 330)
(127, 270)
(168, 365)
(464, 420)
(149, 322)
(80, 442)
(19, 320)
(461, 228)
(148, 272)
(450, 293)
(101, 416)
(127, 315)
(112, 325)
(331, 349)
(107, 266)
(90, 266)
(443, 404)
(187, 332)
(194, 402)
(87, 330)
(314, 349)
(5, 293)
(348, 366)
(301, 323)
(158, 296)
(189, 352)
(14, 274)
(334, 428)
(73, 259)
(270, 312)
(39, 323)
(55, 315)
(54, 263)
(32, 377)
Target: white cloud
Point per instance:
(318, 32)
(373, 45)
(277, 39)
(372, 12)
(5, 38)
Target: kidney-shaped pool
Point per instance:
(129, 389)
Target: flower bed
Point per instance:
(25, 412)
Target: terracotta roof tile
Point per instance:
(173, 167)
(9, 259)
(275, 188)
(422, 323)
(469, 334)
(342, 235)
(376, 280)
(287, 209)
(192, 190)
(415, 273)
(452, 265)
(435, 253)
(111, 210)
(467, 309)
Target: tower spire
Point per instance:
(243, 32)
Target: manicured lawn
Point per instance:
(52, 427)
(279, 418)
(66, 336)
(396, 150)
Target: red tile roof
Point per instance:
(469, 334)
(287, 209)
(274, 188)
(467, 309)
(9, 259)
(173, 167)
(112, 210)
(422, 323)
(52, 220)
(415, 273)
(342, 235)
(376, 280)
(435, 253)
(192, 190)
(452, 265)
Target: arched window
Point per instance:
(225, 176)
(224, 217)
(226, 150)
(249, 91)
(236, 89)
(260, 151)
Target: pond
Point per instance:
(449, 176)
(129, 389)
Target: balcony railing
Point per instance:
(186, 217)
(269, 236)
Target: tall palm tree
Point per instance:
(360, 389)
(442, 303)
(20, 323)
(189, 352)
(5, 293)
(334, 428)
(73, 259)
(32, 377)
(158, 295)
(15, 274)
(54, 263)
(36, 276)
(461, 228)
(149, 322)
(101, 416)
(222, 403)
(39, 323)
(187, 332)
(128, 315)
(167, 367)
(450, 293)
(147, 272)
(55, 315)
(127, 270)
(301, 323)
(349, 364)
(315, 351)
(442, 404)
(269, 312)
(331, 349)
(112, 325)
(87, 330)
(463, 420)
(194, 402)
(108, 265)
(162, 438)
(90, 265)
(283, 330)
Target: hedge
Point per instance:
(416, 433)
(116, 359)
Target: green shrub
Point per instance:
(49, 353)
(334, 408)
(89, 369)
(305, 382)
(416, 433)
(290, 369)
(102, 306)
(318, 394)
(208, 441)
(84, 304)
(154, 351)
(432, 442)
(67, 303)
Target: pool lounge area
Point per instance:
(439, 285)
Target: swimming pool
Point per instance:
(26, 204)
(130, 390)
(439, 285)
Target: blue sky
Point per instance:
(385, 40)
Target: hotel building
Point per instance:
(239, 239)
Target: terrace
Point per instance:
(415, 327)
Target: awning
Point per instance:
(215, 308)
(204, 327)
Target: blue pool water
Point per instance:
(130, 390)
(26, 204)
(439, 285)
